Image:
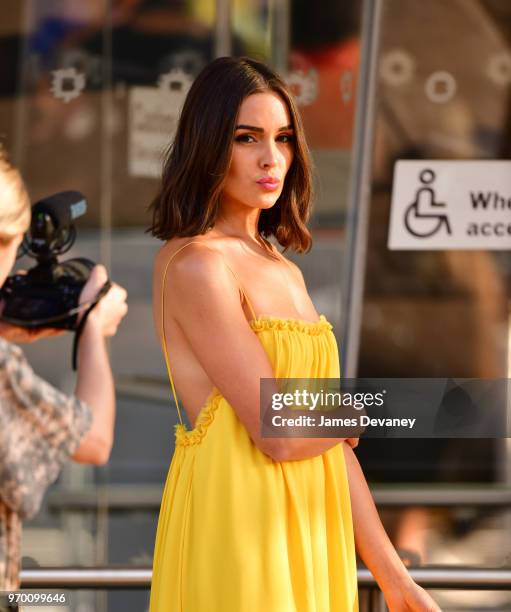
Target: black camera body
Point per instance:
(47, 295)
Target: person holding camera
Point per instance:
(40, 427)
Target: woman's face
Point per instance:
(8, 256)
(262, 153)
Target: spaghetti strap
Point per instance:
(243, 292)
(164, 342)
(285, 260)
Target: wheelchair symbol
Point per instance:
(426, 222)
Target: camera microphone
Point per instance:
(47, 295)
(51, 229)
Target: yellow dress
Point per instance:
(239, 532)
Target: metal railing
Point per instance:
(140, 578)
(371, 598)
(148, 497)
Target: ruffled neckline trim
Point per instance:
(184, 437)
(269, 322)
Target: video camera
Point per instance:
(47, 295)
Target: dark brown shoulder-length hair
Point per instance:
(197, 161)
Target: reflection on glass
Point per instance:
(439, 313)
(324, 62)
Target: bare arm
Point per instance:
(94, 384)
(203, 297)
(376, 549)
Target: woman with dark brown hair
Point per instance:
(251, 523)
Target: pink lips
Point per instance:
(269, 182)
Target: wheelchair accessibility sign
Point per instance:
(451, 205)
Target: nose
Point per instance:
(269, 155)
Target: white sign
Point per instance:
(153, 117)
(152, 126)
(448, 205)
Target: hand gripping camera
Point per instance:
(47, 295)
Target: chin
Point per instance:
(267, 203)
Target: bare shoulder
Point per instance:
(194, 263)
(296, 270)
(187, 254)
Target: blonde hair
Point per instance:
(14, 201)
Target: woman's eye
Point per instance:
(289, 137)
(243, 138)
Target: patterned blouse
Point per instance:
(40, 429)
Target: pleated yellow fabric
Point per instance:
(239, 532)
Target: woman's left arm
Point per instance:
(376, 550)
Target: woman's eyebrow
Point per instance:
(253, 128)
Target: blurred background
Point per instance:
(90, 93)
